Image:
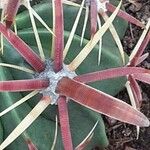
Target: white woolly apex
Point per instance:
(101, 5)
(53, 77)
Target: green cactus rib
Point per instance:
(107, 52)
(1, 131)
(45, 11)
(19, 75)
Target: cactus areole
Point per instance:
(53, 78)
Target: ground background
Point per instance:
(123, 136)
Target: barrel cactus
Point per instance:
(71, 85)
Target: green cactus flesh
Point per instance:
(41, 132)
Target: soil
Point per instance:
(123, 136)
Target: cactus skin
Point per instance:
(82, 119)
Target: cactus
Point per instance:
(35, 124)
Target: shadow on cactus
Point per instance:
(76, 82)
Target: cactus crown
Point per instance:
(63, 53)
